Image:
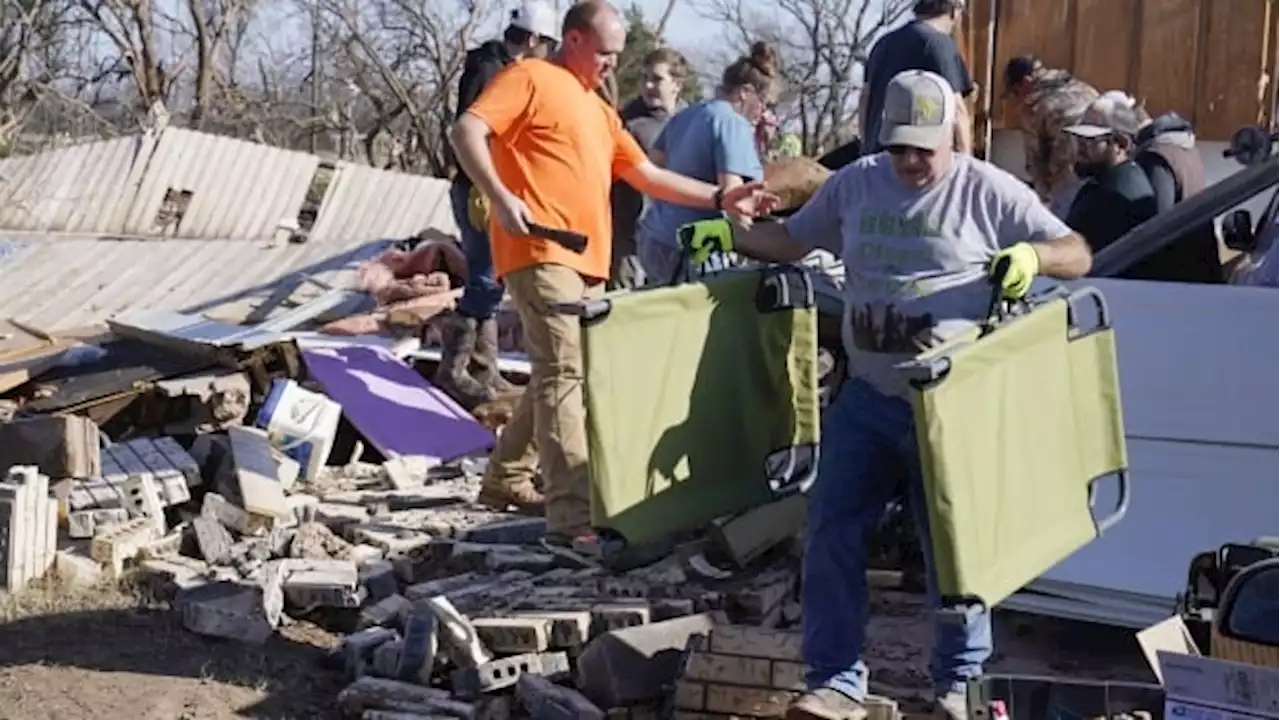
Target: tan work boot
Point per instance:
(524, 497)
(952, 706)
(458, 343)
(485, 359)
(826, 704)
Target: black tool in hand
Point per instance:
(568, 239)
(997, 289)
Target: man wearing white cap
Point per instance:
(471, 333)
(918, 226)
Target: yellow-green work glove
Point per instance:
(478, 209)
(1024, 265)
(704, 238)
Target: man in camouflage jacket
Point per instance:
(1049, 100)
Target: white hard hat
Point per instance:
(537, 17)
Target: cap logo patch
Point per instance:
(925, 111)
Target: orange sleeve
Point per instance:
(627, 153)
(504, 104)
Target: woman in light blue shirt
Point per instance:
(713, 141)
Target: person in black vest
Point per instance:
(470, 335)
(923, 44)
(1116, 196)
(1172, 162)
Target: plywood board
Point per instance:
(1233, 59)
(1167, 56)
(1103, 48)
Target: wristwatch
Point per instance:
(717, 199)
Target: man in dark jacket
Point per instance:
(1167, 153)
(924, 44)
(471, 333)
(644, 117)
(1116, 195)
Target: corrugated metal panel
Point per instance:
(364, 202)
(74, 189)
(63, 283)
(238, 189)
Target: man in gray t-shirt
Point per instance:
(919, 227)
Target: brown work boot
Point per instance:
(524, 497)
(485, 359)
(458, 341)
(826, 704)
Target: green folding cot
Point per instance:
(1016, 422)
(702, 400)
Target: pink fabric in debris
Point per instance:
(399, 275)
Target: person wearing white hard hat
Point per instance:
(471, 333)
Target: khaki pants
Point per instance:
(548, 427)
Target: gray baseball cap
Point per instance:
(1107, 116)
(919, 111)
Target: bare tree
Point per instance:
(404, 57)
(822, 44)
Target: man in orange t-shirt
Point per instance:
(543, 146)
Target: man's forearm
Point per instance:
(964, 127)
(677, 189)
(1064, 258)
(769, 241)
(470, 139)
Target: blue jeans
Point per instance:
(868, 452)
(482, 293)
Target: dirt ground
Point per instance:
(110, 654)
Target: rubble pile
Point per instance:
(445, 609)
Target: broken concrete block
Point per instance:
(757, 642)
(322, 583)
(388, 612)
(170, 544)
(544, 700)
(526, 560)
(407, 472)
(260, 490)
(365, 555)
(470, 682)
(61, 446)
(143, 499)
(213, 539)
(170, 576)
(464, 646)
(224, 511)
(512, 635)
(386, 657)
(378, 579)
(84, 524)
(370, 693)
(80, 498)
(75, 568)
(227, 610)
(390, 539)
(340, 517)
(633, 665)
(115, 545)
(515, 531)
(417, 659)
(313, 541)
(357, 648)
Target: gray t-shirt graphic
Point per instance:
(916, 260)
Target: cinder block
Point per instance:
(84, 524)
(511, 635)
(357, 649)
(461, 642)
(58, 446)
(502, 673)
(787, 676)
(28, 527)
(322, 583)
(143, 499)
(228, 610)
(544, 700)
(570, 629)
(75, 568)
(748, 702)
(690, 695)
(378, 579)
(748, 535)
(219, 508)
(756, 642)
(388, 612)
(386, 657)
(179, 459)
(633, 665)
(515, 531)
(730, 669)
(417, 659)
(114, 546)
(616, 616)
(369, 693)
(105, 494)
